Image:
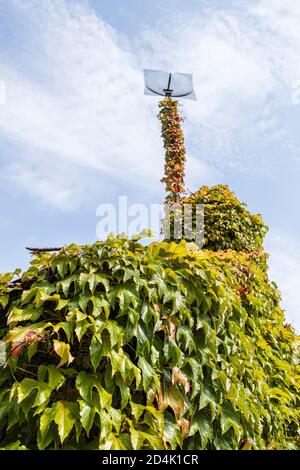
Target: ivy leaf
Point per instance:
(146, 233)
(14, 446)
(171, 433)
(61, 264)
(86, 384)
(87, 415)
(179, 376)
(126, 295)
(116, 333)
(229, 418)
(64, 414)
(95, 279)
(67, 327)
(27, 295)
(148, 373)
(28, 313)
(4, 299)
(65, 284)
(116, 417)
(63, 351)
(117, 442)
(55, 377)
(137, 439)
(201, 423)
(81, 328)
(95, 352)
(25, 388)
(42, 398)
(124, 390)
(61, 304)
(208, 397)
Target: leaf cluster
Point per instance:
(120, 346)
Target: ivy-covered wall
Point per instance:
(118, 346)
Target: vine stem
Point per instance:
(175, 153)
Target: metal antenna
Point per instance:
(158, 82)
(168, 91)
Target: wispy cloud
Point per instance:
(80, 100)
(85, 105)
(245, 64)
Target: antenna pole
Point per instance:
(175, 153)
(168, 91)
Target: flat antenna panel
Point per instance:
(172, 84)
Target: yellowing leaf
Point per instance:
(63, 351)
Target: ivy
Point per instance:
(173, 139)
(117, 345)
(228, 223)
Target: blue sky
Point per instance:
(76, 130)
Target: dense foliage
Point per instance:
(228, 224)
(117, 346)
(173, 139)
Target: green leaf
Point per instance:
(87, 415)
(148, 373)
(117, 442)
(124, 390)
(208, 397)
(146, 233)
(171, 433)
(137, 438)
(61, 265)
(55, 377)
(63, 351)
(137, 410)
(95, 279)
(61, 304)
(86, 384)
(229, 418)
(95, 352)
(66, 327)
(126, 295)
(25, 388)
(117, 362)
(32, 350)
(42, 398)
(64, 414)
(4, 301)
(116, 333)
(65, 284)
(27, 295)
(14, 446)
(116, 417)
(201, 423)
(28, 313)
(81, 328)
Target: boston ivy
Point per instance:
(116, 345)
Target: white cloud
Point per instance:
(228, 64)
(86, 104)
(284, 264)
(43, 185)
(80, 99)
(245, 65)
